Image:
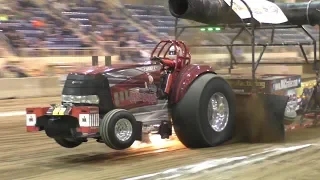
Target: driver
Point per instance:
(166, 72)
(169, 62)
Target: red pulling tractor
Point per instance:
(119, 104)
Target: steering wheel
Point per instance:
(156, 59)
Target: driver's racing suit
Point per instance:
(166, 77)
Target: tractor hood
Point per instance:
(92, 85)
(88, 87)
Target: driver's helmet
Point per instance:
(172, 54)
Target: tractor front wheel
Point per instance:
(118, 129)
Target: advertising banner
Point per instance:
(298, 98)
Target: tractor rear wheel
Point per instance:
(205, 116)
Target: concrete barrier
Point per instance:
(272, 69)
(42, 62)
(29, 87)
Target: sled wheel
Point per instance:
(68, 142)
(205, 116)
(118, 129)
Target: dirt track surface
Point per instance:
(34, 156)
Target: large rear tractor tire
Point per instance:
(205, 116)
(68, 143)
(118, 129)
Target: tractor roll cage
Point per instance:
(250, 28)
(183, 54)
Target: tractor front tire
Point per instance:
(194, 117)
(118, 129)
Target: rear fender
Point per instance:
(185, 78)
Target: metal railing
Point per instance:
(46, 52)
(205, 50)
(114, 48)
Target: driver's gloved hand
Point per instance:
(155, 59)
